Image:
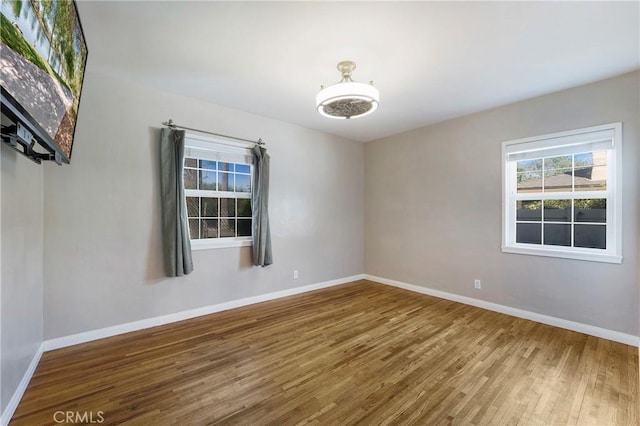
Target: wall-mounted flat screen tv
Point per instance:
(43, 55)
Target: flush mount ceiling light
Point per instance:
(347, 99)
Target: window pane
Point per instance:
(190, 162)
(194, 229)
(530, 233)
(594, 210)
(244, 227)
(557, 235)
(190, 179)
(207, 164)
(243, 183)
(591, 236)
(225, 166)
(209, 207)
(209, 228)
(591, 171)
(557, 211)
(558, 174)
(193, 206)
(226, 181)
(244, 207)
(227, 228)
(227, 207)
(529, 175)
(243, 168)
(529, 210)
(207, 180)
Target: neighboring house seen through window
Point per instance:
(217, 183)
(562, 195)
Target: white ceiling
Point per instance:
(430, 60)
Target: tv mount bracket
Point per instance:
(19, 138)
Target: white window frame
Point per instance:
(556, 144)
(221, 150)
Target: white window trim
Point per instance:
(613, 252)
(234, 152)
(218, 243)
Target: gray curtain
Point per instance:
(175, 231)
(262, 255)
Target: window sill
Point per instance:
(215, 243)
(565, 254)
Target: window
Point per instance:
(217, 186)
(561, 194)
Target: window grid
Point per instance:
(572, 222)
(230, 221)
(546, 194)
(217, 169)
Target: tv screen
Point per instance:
(42, 60)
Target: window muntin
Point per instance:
(586, 171)
(220, 176)
(217, 182)
(569, 222)
(560, 195)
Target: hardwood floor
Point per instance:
(360, 353)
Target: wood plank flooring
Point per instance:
(360, 353)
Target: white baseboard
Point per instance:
(22, 387)
(604, 333)
(101, 333)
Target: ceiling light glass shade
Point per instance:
(347, 99)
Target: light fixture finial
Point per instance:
(346, 68)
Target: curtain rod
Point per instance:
(173, 125)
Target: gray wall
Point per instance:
(22, 279)
(433, 209)
(103, 263)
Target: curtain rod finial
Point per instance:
(170, 123)
(261, 142)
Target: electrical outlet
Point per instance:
(477, 284)
(295, 274)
